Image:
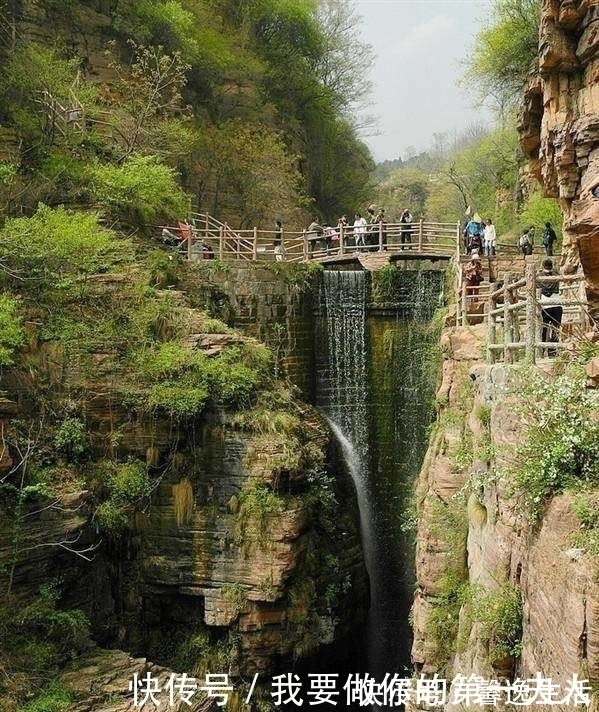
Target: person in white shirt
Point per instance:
(489, 238)
(360, 226)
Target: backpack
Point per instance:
(547, 238)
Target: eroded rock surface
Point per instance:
(559, 127)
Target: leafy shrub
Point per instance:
(164, 269)
(12, 334)
(142, 190)
(112, 518)
(7, 172)
(500, 615)
(189, 379)
(235, 595)
(257, 506)
(561, 448)
(128, 484)
(55, 245)
(178, 400)
(444, 615)
(39, 634)
(71, 438)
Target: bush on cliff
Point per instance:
(561, 449)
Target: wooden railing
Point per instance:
(209, 237)
(513, 313)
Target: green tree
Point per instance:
(404, 188)
(246, 176)
(505, 53)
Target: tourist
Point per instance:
(313, 233)
(360, 227)
(526, 241)
(551, 308)
(381, 221)
(406, 220)
(549, 237)
(489, 238)
(331, 237)
(473, 275)
(473, 234)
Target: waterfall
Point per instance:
(374, 386)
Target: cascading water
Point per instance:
(375, 388)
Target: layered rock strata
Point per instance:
(559, 126)
(476, 541)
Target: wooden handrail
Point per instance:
(509, 314)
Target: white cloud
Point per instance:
(423, 36)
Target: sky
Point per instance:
(420, 46)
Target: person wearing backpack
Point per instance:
(525, 242)
(474, 234)
(549, 237)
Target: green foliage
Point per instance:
(12, 335)
(237, 161)
(54, 699)
(199, 652)
(165, 269)
(537, 210)
(7, 172)
(586, 508)
(142, 190)
(56, 247)
(186, 27)
(485, 175)
(38, 635)
(257, 506)
(499, 613)
(71, 438)
(561, 448)
(128, 486)
(448, 522)
(384, 284)
(405, 187)
(504, 53)
(188, 379)
(442, 623)
(235, 595)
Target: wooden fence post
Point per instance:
(341, 239)
(491, 328)
(420, 235)
(305, 236)
(464, 298)
(508, 319)
(255, 255)
(530, 273)
(221, 242)
(457, 241)
(381, 236)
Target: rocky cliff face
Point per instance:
(499, 595)
(246, 556)
(559, 127)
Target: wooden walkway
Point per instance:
(512, 310)
(205, 238)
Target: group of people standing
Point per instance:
(480, 237)
(366, 230)
(526, 240)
